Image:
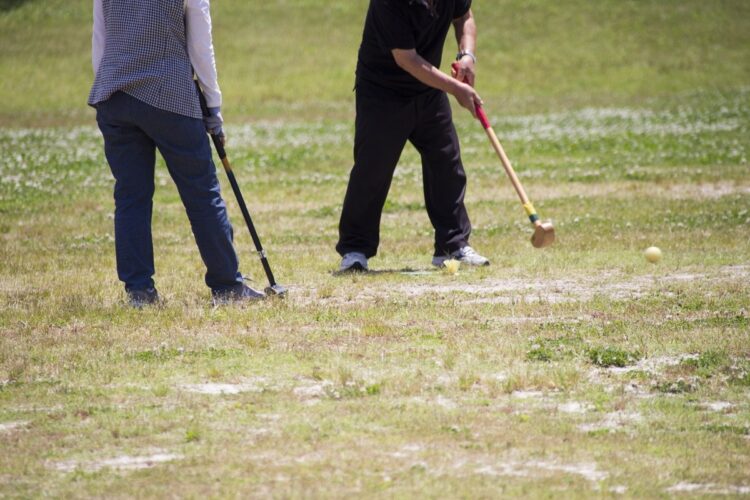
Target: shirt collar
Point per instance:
(432, 6)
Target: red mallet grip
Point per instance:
(454, 66)
(481, 115)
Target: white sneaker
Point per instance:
(465, 255)
(353, 261)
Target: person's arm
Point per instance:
(98, 37)
(201, 49)
(466, 36)
(422, 70)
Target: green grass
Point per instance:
(534, 56)
(579, 370)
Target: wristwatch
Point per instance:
(466, 53)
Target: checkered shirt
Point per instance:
(146, 56)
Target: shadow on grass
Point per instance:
(8, 5)
(374, 272)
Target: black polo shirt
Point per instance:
(402, 24)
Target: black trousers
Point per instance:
(382, 128)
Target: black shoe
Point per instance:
(241, 293)
(141, 298)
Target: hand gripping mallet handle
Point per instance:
(273, 288)
(544, 232)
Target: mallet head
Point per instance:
(275, 291)
(544, 235)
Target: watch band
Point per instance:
(466, 53)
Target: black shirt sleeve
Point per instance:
(392, 26)
(462, 7)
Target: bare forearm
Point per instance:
(422, 70)
(466, 36)
(466, 33)
(418, 67)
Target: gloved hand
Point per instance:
(214, 121)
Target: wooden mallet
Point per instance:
(544, 232)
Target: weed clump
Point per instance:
(742, 380)
(679, 386)
(728, 429)
(720, 366)
(612, 356)
(555, 349)
(539, 353)
(192, 434)
(467, 380)
(707, 363)
(739, 373)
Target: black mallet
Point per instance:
(273, 288)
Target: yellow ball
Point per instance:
(652, 254)
(451, 266)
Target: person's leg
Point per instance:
(381, 130)
(443, 173)
(131, 155)
(184, 145)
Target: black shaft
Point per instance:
(246, 215)
(218, 144)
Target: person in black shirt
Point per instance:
(402, 95)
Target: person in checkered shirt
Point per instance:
(145, 55)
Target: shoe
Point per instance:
(141, 298)
(353, 261)
(241, 293)
(465, 255)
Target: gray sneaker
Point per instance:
(242, 293)
(465, 255)
(353, 261)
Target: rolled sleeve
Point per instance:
(201, 49)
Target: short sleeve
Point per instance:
(462, 7)
(392, 24)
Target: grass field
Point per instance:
(579, 370)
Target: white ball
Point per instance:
(652, 254)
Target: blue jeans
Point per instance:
(132, 132)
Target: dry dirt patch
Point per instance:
(559, 290)
(8, 427)
(629, 190)
(540, 468)
(700, 191)
(618, 420)
(120, 462)
(708, 489)
(717, 406)
(221, 388)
